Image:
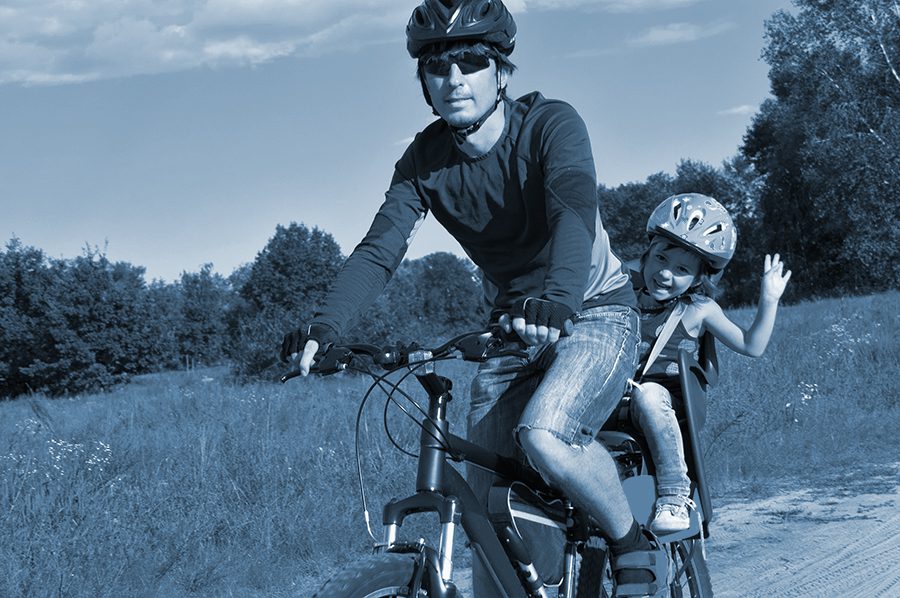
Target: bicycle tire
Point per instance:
(691, 570)
(688, 569)
(376, 576)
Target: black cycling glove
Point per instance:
(543, 312)
(295, 341)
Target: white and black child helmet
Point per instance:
(698, 223)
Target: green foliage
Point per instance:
(625, 211)
(75, 325)
(279, 291)
(205, 299)
(24, 282)
(294, 270)
(829, 144)
(426, 298)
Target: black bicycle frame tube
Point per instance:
(435, 429)
(504, 467)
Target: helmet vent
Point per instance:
(676, 210)
(422, 19)
(696, 218)
(716, 228)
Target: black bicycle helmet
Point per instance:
(452, 20)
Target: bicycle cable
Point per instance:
(444, 441)
(359, 472)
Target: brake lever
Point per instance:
(335, 359)
(488, 345)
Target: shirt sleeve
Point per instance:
(570, 187)
(373, 262)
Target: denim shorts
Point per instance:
(569, 388)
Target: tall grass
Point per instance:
(823, 396)
(190, 485)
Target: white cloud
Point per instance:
(53, 41)
(742, 110)
(679, 33)
(242, 50)
(65, 41)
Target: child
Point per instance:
(692, 238)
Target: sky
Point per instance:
(175, 133)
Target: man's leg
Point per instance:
(499, 393)
(584, 382)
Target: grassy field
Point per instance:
(187, 484)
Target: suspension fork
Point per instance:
(430, 496)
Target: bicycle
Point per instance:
(519, 499)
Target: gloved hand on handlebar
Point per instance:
(305, 343)
(538, 321)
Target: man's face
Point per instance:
(463, 87)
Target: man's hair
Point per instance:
(705, 285)
(446, 50)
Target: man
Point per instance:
(513, 181)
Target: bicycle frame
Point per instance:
(521, 496)
(442, 490)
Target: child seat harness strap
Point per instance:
(664, 335)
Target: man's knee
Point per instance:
(543, 446)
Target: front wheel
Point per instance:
(688, 573)
(378, 576)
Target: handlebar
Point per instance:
(475, 346)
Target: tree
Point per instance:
(24, 282)
(285, 283)
(427, 299)
(93, 326)
(626, 208)
(294, 270)
(202, 328)
(828, 144)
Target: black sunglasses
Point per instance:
(468, 63)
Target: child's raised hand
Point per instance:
(774, 279)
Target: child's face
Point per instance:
(669, 271)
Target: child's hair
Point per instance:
(706, 285)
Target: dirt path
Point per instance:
(840, 540)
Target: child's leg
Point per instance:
(651, 410)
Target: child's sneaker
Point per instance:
(672, 514)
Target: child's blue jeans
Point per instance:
(652, 411)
